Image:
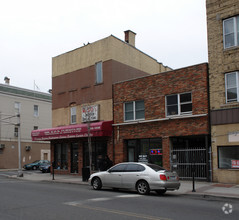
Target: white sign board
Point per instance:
(90, 113)
(233, 137)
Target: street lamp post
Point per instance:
(20, 174)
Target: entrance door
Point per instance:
(188, 155)
(74, 158)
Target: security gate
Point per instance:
(186, 159)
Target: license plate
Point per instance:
(173, 177)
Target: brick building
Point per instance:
(163, 119)
(82, 111)
(223, 52)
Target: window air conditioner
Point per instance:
(28, 148)
(2, 146)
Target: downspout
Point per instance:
(113, 129)
(209, 139)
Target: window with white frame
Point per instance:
(36, 110)
(98, 72)
(134, 110)
(232, 87)
(179, 104)
(17, 106)
(231, 32)
(73, 115)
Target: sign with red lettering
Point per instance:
(235, 163)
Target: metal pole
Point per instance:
(89, 145)
(20, 174)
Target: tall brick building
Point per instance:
(163, 119)
(82, 99)
(223, 50)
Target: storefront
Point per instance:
(145, 150)
(70, 148)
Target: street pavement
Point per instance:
(202, 189)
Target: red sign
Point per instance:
(155, 152)
(235, 163)
(103, 128)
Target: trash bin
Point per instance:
(85, 173)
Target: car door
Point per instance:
(132, 174)
(114, 176)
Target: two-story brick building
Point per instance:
(164, 119)
(223, 52)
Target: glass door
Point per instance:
(74, 158)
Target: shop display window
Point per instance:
(228, 157)
(145, 150)
(60, 155)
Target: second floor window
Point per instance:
(98, 73)
(179, 104)
(15, 131)
(73, 115)
(232, 87)
(17, 106)
(36, 110)
(134, 110)
(231, 32)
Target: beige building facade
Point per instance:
(223, 52)
(82, 106)
(34, 109)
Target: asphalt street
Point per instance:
(43, 200)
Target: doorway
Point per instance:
(74, 158)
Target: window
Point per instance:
(228, 157)
(232, 87)
(36, 110)
(99, 72)
(73, 115)
(134, 110)
(35, 128)
(118, 168)
(17, 106)
(15, 131)
(134, 168)
(179, 104)
(145, 150)
(231, 32)
(60, 156)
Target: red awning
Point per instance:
(103, 128)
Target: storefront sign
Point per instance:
(143, 158)
(233, 137)
(96, 129)
(90, 113)
(155, 152)
(235, 163)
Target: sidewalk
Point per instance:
(203, 189)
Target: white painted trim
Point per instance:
(161, 119)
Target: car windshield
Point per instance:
(155, 167)
(36, 161)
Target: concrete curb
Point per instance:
(196, 195)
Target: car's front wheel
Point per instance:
(96, 183)
(34, 167)
(142, 187)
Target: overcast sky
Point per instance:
(32, 32)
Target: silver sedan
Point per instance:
(140, 176)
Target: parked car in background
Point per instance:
(45, 168)
(142, 177)
(35, 165)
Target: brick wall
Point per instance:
(152, 90)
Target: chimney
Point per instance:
(7, 80)
(129, 37)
